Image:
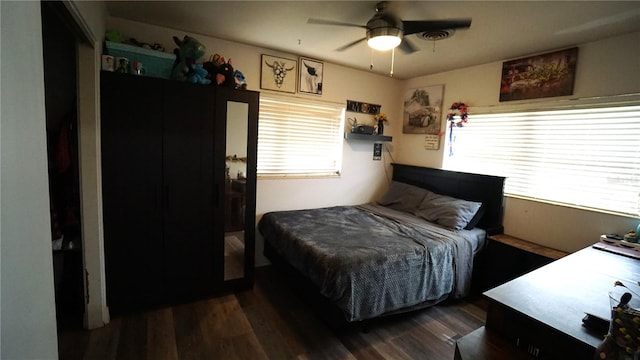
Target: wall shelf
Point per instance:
(354, 136)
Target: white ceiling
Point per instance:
(500, 30)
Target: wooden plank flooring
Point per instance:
(272, 322)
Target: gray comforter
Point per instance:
(371, 260)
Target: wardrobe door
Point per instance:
(131, 184)
(188, 189)
(239, 112)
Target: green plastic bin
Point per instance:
(155, 63)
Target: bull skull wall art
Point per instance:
(278, 74)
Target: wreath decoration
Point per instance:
(457, 106)
(462, 118)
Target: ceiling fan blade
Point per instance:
(407, 47)
(331, 22)
(414, 27)
(353, 43)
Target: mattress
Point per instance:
(370, 260)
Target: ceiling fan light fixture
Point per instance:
(384, 39)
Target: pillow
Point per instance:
(403, 197)
(447, 211)
(476, 218)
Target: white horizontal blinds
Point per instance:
(583, 157)
(298, 137)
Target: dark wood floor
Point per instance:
(272, 322)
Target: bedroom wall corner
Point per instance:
(600, 72)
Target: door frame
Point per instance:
(88, 52)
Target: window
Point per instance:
(299, 137)
(583, 156)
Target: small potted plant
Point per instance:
(381, 119)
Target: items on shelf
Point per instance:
(618, 245)
(186, 69)
(120, 57)
(381, 118)
(235, 157)
(140, 58)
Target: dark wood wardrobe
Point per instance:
(164, 180)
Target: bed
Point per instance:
(410, 249)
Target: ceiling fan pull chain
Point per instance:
(393, 56)
(371, 65)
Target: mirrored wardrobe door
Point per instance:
(235, 190)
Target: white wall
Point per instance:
(362, 178)
(27, 315)
(601, 71)
(604, 68)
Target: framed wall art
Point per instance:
(311, 72)
(423, 110)
(278, 74)
(539, 76)
(361, 107)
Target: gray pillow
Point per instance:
(403, 197)
(447, 211)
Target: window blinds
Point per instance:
(587, 157)
(299, 137)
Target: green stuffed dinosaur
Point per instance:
(189, 50)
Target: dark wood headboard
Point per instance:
(474, 187)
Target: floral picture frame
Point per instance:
(310, 76)
(278, 74)
(546, 75)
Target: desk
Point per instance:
(483, 344)
(542, 311)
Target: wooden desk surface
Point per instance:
(559, 294)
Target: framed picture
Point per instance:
(278, 74)
(423, 110)
(310, 81)
(539, 76)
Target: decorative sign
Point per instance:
(432, 142)
(377, 151)
(356, 106)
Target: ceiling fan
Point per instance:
(385, 30)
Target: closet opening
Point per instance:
(60, 82)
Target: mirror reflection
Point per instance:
(235, 193)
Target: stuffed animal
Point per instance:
(198, 75)
(221, 72)
(241, 82)
(188, 52)
(113, 35)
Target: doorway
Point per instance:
(60, 80)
